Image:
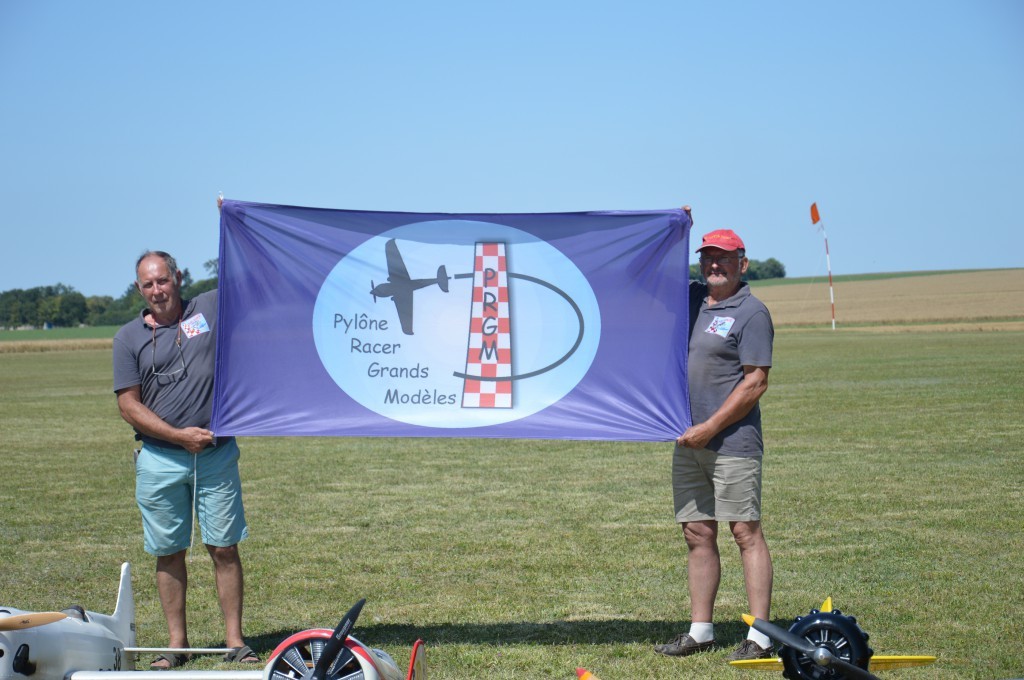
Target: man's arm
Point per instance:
(739, 403)
(136, 414)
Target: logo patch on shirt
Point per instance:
(195, 326)
(720, 325)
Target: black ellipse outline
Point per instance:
(556, 364)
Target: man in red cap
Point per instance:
(716, 466)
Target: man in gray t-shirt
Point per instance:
(163, 377)
(716, 465)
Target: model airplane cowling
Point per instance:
(323, 654)
(82, 645)
(302, 649)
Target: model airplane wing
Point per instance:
(877, 663)
(886, 663)
(773, 664)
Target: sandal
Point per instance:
(242, 654)
(168, 661)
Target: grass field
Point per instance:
(894, 482)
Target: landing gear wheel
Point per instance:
(295, 658)
(837, 633)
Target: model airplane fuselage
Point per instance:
(78, 640)
(75, 644)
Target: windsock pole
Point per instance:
(815, 220)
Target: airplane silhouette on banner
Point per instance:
(400, 287)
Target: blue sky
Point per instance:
(121, 121)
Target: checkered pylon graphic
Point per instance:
(490, 338)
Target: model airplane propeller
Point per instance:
(825, 644)
(23, 621)
(76, 644)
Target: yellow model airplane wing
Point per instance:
(884, 663)
(774, 664)
(877, 663)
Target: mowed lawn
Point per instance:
(894, 483)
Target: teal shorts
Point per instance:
(711, 486)
(165, 479)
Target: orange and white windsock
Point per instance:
(489, 356)
(815, 219)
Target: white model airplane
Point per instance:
(74, 644)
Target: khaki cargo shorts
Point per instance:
(711, 486)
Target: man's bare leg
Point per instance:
(227, 567)
(757, 566)
(171, 584)
(703, 568)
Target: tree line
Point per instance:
(757, 271)
(62, 306)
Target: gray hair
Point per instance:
(172, 264)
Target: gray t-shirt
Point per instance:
(724, 338)
(183, 395)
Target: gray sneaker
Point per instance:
(749, 649)
(683, 645)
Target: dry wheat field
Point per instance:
(976, 300)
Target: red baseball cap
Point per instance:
(723, 239)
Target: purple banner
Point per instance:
(550, 326)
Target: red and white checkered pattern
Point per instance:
(490, 338)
